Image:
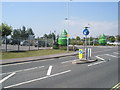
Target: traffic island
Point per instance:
(82, 61)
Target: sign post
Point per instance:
(80, 53)
(86, 32)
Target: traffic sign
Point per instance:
(86, 31)
(80, 53)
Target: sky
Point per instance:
(46, 17)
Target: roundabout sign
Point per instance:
(85, 31)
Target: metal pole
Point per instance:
(89, 41)
(46, 42)
(38, 43)
(18, 44)
(29, 43)
(68, 26)
(5, 43)
(86, 47)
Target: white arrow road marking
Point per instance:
(22, 70)
(37, 79)
(111, 55)
(49, 70)
(100, 58)
(96, 63)
(7, 77)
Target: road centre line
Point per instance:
(111, 55)
(49, 70)
(96, 63)
(7, 77)
(37, 79)
(99, 58)
(22, 70)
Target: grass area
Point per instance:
(10, 55)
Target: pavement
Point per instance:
(36, 58)
(62, 73)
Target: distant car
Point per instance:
(116, 43)
(40, 44)
(24, 43)
(113, 43)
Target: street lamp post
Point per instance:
(67, 19)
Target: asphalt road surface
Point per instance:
(62, 73)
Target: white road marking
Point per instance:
(100, 58)
(111, 55)
(22, 70)
(116, 52)
(37, 79)
(49, 70)
(68, 61)
(7, 77)
(96, 63)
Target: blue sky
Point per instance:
(44, 17)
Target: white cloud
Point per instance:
(76, 26)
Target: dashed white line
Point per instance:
(99, 58)
(22, 70)
(111, 55)
(7, 77)
(37, 79)
(96, 63)
(49, 70)
(116, 52)
(68, 61)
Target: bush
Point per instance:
(55, 45)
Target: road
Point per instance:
(63, 73)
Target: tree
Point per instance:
(45, 35)
(16, 34)
(53, 36)
(118, 37)
(5, 30)
(77, 38)
(30, 32)
(91, 38)
(24, 34)
(111, 38)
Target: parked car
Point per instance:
(24, 43)
(40, 44)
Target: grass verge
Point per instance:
(10, 55)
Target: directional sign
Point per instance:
(85, 31)
(80, 53)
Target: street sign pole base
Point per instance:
(82, 61)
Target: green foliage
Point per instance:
(118, 37)
(5, 30)
(22, 34)
(77, 38)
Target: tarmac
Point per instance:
(36, 58)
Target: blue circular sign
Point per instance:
(85, 31)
